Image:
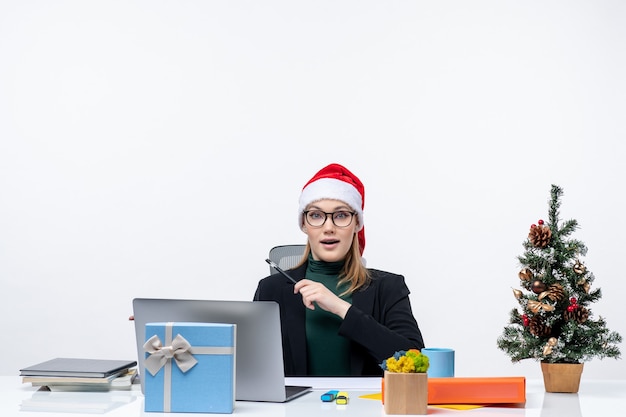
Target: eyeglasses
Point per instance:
(317, 218)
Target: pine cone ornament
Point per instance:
(539, 235)
(554, 293)
(580, 314)
(538, 328)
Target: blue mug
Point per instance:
(441, 362)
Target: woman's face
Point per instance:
(328, 242)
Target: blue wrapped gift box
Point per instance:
(189, 367)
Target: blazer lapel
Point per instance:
(364, 301)
(295, 328)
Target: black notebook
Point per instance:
(76, 367)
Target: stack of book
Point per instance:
(75, 374)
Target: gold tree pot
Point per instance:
(561, 377)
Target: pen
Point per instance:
(273, 265)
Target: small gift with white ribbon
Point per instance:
(190, 367)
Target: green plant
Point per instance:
(411, 361)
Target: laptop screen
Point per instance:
(259, 370)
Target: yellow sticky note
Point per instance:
(376, 396)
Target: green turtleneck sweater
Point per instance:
(328, 353)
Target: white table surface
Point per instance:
(596, 398)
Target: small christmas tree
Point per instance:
(554, 322)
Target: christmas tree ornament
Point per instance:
(555, 292)
(547, 350)
(538, 286)
(579, 268)
(553, 322)
(536, 306)
(549, 345)
(584, 284)
(576, 313)
(525, 274)
(538, 327)
(540, 235)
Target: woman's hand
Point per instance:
(316, 293)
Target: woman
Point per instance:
(340, 318)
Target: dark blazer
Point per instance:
(379, 323)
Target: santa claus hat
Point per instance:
(336, 182)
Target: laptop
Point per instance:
(259, 369)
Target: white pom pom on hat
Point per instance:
(335, 182)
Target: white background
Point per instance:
(158, 148)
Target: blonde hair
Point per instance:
(354, 273)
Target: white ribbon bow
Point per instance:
(159, 355)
